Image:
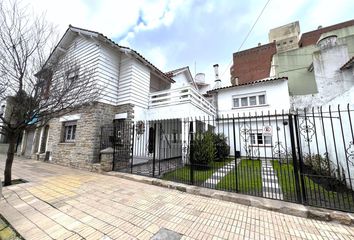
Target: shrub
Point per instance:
(204, 149)
(222, 149)
(319, 165)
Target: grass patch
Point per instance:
(201, 174)
(316, 194)
(249, 179)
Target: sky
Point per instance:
(195, 33)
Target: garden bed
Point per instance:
(317, 194)
(249, 178)
(200, 172)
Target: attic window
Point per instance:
(72, 74)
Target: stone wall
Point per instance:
(84, 152)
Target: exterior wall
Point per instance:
(330, 80)
(108, 73)
(85, 150)
(274, 90)
(294, 64)
(277, 99)
(280, 136)
(286, 37)
(252, 64)
(182, 80)
(157, 85)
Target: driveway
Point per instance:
(64, 203)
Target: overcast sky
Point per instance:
(177, 33)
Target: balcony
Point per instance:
(180, 102)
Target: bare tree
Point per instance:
(35, 88)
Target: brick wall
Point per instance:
(85, 150)
(252, 64)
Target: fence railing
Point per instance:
(179, 96)
(303, 156)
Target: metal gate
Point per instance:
(122, 144)
(149, 148)
(304, 156)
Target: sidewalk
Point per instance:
(64, 203)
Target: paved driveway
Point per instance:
(63, 203)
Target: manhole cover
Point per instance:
(165, 234)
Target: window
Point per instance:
(244, 102)
(236, 102)
(260, 139)
(69, 131)
(249, 101)
(261, 99)
(253, 100)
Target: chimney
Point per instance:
(216, 70)
(319, 27)
(217, 79)
(259, 44)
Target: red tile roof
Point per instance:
(311, 38)
(250, 83)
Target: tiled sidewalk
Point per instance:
(63, 203)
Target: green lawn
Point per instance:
(200, 175)
(316, 194)
(248, 176)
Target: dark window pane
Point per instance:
(244, 101)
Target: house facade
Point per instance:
(246, 116)
(131, 89)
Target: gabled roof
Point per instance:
(105, 38)
(348, 64)
(177, 71)
(311, 38)
(249, 83)
(173, 72)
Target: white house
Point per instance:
(247, 111)
(133, 90)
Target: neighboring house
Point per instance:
(133, 90)
(314, 63)
(238, 107)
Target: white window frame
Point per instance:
(237, 98)
(70, 126)
(256, 142)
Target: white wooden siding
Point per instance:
(125, 79)
(122, 78)
(108, 74)
(84, 52)
(140, 84)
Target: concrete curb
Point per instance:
(294, 209)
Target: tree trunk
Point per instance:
(10, 158)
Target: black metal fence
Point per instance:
(303, 156)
